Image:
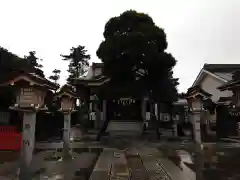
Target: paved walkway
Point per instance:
(135, 163)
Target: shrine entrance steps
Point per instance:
(125, 128)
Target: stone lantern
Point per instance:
(195, 96)
(30, 90)
(67, 98)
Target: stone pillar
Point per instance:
(156, 110)
(28, 144)
(66, 134)
(175, 125)
(196, 117)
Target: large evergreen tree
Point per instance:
(134, 53)
(135, 59)
(78, 62)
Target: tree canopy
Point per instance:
(55, 76)
(33, 63)
(78, 62)
(133, 52)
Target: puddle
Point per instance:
(213, 163)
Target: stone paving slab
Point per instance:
(103, 166)
(137, 169)
(66, 169)
(150, 158)
(119, 166)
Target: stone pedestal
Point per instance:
(196, 117)
(28, 144)
(66, 134)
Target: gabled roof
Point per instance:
(223, 72)
(34, 78)
(197, 91)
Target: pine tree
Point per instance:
(78, 62)
(55, 76)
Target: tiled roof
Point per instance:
(224, 68)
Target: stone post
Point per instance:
(66, 134)
(28, 144)
(196, 117)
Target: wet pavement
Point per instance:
(131, 159)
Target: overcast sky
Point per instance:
(198, 31)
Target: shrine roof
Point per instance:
(95, 81)
(34, 78)
(197, 91)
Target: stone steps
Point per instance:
(124, 129)
(124, 126)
